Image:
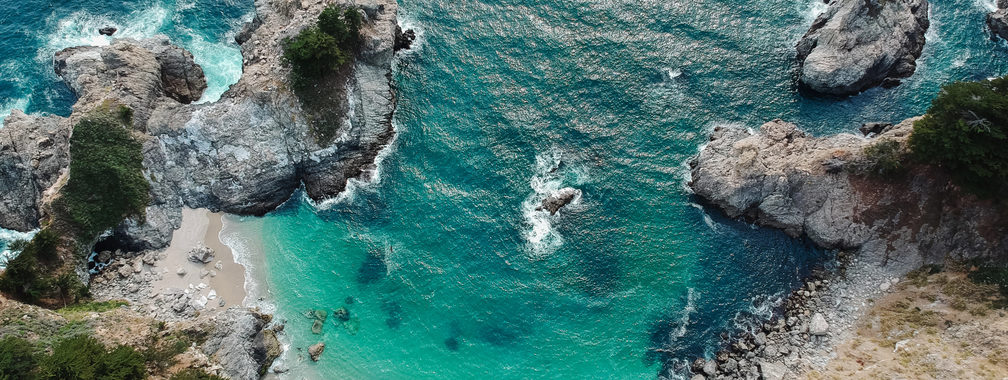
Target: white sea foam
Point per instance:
(9, 106)
(8, 236)
(987, 5)
(244, 253)
(550, 176)
(686, 313)
(813, 9)
(367, 181)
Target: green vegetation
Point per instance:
(324, 47)
(78, 357)
(93, 307)
(29, 276)
(966, 132)
(106, 182)
(17, 359)
(993, 276)
(883, 158)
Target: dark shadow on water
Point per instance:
(373, 268)
(394, 311)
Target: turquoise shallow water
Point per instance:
(452, 274)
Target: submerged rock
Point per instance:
(858, 44)
(315, 351)
(342, 314)
(554, 202)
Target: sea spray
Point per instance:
(6, 238)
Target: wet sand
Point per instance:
(222, 281)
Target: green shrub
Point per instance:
(84, 357)
(22, 279)
(883, 158)
(29, 277)
(106, 181)
(17, 359)
(194, 374)
(325, 47)
(966, 132)
(96, 307)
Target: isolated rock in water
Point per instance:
(998, 20)
(201, 254)
(858, 44)
(554, 202)
(315, 351)
(107, 31)
(818, 325)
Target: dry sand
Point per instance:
(222, 281)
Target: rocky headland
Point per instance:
(826, 189)
(859, 44)
(244, 154)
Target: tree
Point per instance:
(966, 132)
(17, 359)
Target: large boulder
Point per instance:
(859, 44)
(182, 78)
(557, 200)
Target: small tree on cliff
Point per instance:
(325, 47)
(966, 132)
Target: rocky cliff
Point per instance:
(997, 21)
(859, 44)
(244, 154)
(783, 178)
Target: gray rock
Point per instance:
(698, 377)
(315, 351)
(857, 44)
(773, 371)
(760, 339)
(34, 153)
(710, 368)
(181, 271)
(554, 202)
(241, 343)
(997, 21)
(776, 178)
(201, 254)
(818, 326)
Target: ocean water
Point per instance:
(31, 31)
(446, 269)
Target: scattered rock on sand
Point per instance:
(201, 254)
(773, 371)
(315, 351)
(181, 271)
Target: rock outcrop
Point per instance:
(554, 202)
(783, 178)
(997, 21)
(244, 154)
(859, 44)
(241, 342)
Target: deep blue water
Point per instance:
(453, 274)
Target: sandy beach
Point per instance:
(222, 281)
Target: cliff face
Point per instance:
(859, 44)
(244, 154)
(34, 153)
(781, 177)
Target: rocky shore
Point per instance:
(243, 154)
(859, 44)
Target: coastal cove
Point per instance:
(439, 257)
